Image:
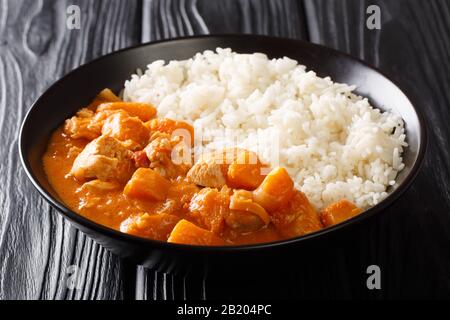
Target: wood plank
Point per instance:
(36, 245)
(164, 19)
(171, 18)
(410, 241)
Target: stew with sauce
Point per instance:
(114, 163)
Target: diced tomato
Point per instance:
(140, 159)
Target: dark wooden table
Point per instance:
(410, 242)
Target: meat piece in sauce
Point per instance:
(130, 130)
(160, 152)
(217, 209)
(83, 125)
(297, 218)
(104, 158)
(210, 171)
(152, 226)
(237, 168)
(245, 214)
(87, 124)
(209, 207)
(181, 192)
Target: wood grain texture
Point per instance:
(409, 242)
(36, 244)
(164, 19)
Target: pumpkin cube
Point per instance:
(275, 191)
(147, 184)
(338, 211)
(186, 232)
(245, 171)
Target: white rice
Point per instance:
(333, 143)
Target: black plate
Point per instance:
(80, 86)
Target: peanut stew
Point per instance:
(121, 166)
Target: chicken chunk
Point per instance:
(130, 130)
(104, 158)
(209, 207)
(86, 124)
(234, 167)
(160, 152)
(296, 218)
(209, 171)
(245, 214)
(83, 125)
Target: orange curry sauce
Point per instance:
(111, 164)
